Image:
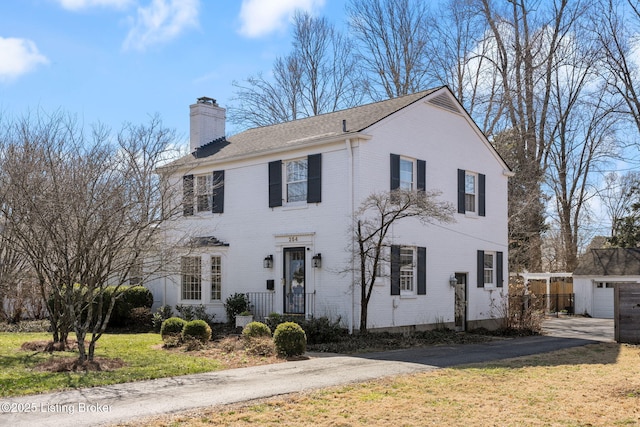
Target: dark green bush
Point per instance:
(196, 329)
(256, 329)
(138, 296)
(141, 319)
(236, 304)
(290, 339)
(321, 330)
(172, 327)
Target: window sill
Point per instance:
(295, 206)
(408, 296)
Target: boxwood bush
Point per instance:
(172, 327)
(196, 329)
(256, 329)
(290, 339)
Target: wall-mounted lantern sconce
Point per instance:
(316, 261)
(268, 261)
(452, 280)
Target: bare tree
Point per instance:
(84, 212)
(393, 45)
(372, 222)
(615, 26)
(618, 193)
(319, 76)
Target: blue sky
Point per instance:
(115, 61)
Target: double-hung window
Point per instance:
(216, 278)
(471, 193)
(406, 174)
(295, 181)
(204, 193)
(489, 268)
(191, 282)
(470, 190)
(296, 176)
(407, 270)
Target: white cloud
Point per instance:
(161, 21)
(85, 4)
(18, 57)
(261, 17)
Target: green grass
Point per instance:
(140, 352)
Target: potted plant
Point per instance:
(243, 319)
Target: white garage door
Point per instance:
(603, 300)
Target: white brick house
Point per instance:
(269, 212)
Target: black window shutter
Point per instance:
(395, 270)
(461, 174)
(422, 271)
(481, 269)
(217, 206)
(421, 175)
(499, 277)
(395, 172)
(314, 178)
(187, 195)
(481, 195)
(275, 183)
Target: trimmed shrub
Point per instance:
(256, 329)
(196, 329)
(172, 327)
(290, 339)
(236, 304)
(138, 296)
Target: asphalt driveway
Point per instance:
(121, 402)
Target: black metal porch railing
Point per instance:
(264, 303)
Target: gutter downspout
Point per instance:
(349, 148)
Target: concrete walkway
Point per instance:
(122, 402)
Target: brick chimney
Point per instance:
(207, 122)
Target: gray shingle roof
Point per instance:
(299, 132)
(609, 262)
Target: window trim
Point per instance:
(215, 278)
(195, 282)
(303, 183)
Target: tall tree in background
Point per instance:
(616, 24)
(393, 41)
(318, 76)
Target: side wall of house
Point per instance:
(447, 143)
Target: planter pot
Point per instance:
(242, 321)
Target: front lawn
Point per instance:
(141, 354)
(595, 385)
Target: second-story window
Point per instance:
(204, 187)
(406, 174)
(296, 175)
(470, 192)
